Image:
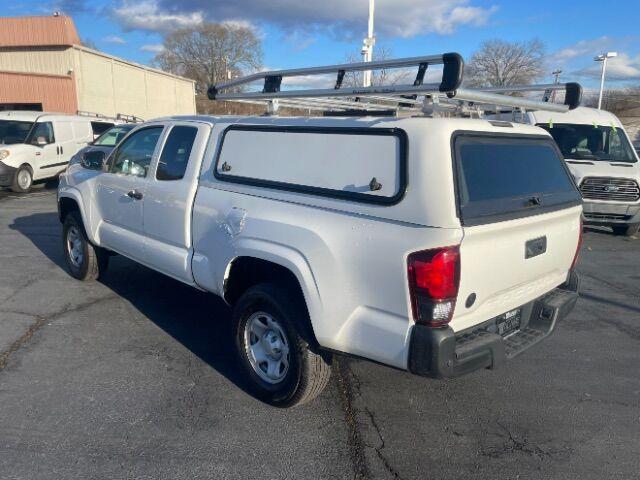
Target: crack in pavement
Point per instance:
(382, 445)
(350, 389)
(514, 445)
(356, 445)
(41, 321)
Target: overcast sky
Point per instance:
(302, 33)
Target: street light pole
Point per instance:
(603, 58)
(367, 46)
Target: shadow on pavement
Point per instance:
(200, 321)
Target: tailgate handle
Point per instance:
(535, 247)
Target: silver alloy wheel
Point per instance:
(24, 179)
(267, 347)
(75, 246)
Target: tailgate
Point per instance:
(495, 268)
(520, 211)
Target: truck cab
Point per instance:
(38, 146)
(603, 162)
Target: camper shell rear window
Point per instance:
(503, 177)
(360, 164)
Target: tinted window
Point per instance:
(12, 131)
(133, 156)
(591, 142)
(42, 130)
(175, 154)
(510, 177)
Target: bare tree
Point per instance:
(622, 102)
(210, 53)
(378, 77)
(499, 63)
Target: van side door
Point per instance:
(120, 192)
(169, 199)
(46, 155)
(65, 143)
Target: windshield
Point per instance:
(13, 131)
(112, 137)
(591, 142)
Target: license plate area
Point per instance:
(509, 323)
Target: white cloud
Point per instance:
(153, 48)
(114, 39)
(147, 15)
(342, 18)
(583, 48)
(620, 68)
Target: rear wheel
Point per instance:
(280, 366)
(626, 230)
(23, 180)
(85, 261)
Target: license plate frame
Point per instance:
(509, 323)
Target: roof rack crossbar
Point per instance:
(488, 98)
(399, 97)
(573, 91)
(451, 78)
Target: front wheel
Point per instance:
(280, 366)
(85, 261)
(626, 230)
(23, 180)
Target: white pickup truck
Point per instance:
(434, 245)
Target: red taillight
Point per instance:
(577, 254)
(434, 277)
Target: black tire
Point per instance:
(94, 261)
(308, 371)
(19, 184)
(626, 230)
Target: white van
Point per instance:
(38, 146)
(603, 162)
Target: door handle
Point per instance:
(61, 151)
(135, 195)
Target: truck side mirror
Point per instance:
(93, 160)
(41, 141)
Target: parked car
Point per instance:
(603, 162)
(105, 142)
(278, 218)
(38, 146)
(434, 245)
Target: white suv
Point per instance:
(434, 245)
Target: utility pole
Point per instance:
(556, 73)
(603, 58)
(367, 46)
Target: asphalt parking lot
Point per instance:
(133, 377)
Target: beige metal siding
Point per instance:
(109, 86)
(55, 93)
(49, 60)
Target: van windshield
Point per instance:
(112, 137)
(13, 131)
(591, 142)
(506, 177)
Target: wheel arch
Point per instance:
(253, 268)
(71, 201)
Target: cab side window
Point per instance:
(134, 155)
(42, 131)
(175, 153)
